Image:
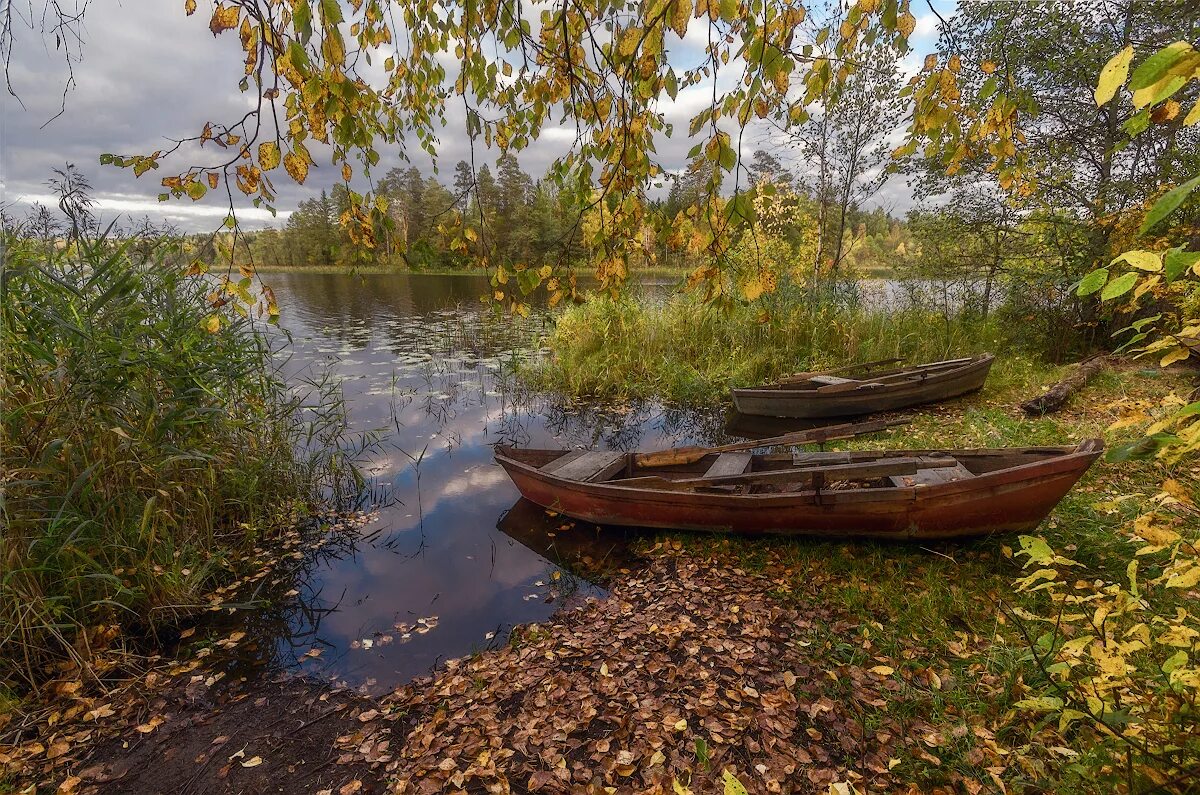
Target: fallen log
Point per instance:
(1056, 396)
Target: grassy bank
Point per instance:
(681, 350)
(947, 625)
(145, 449)
(1011, 692)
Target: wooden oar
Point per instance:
(677, 456)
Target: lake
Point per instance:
(453, 559)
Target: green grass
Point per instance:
(683, 351)
(143, 452)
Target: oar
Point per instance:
(677, 456)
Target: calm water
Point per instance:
(454, 558)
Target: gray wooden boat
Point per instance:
(864, 388)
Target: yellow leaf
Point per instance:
(988, 67)
(1186, 580)
(189, 7)
(347, 172)
(1177, 490)
(149, 726)
(629, 41)
(268, 155)
(883, 670)
(1113, 75)
(1147, 529)
(296, 166)
(1176, 354)
(753, 289)
(224, 18)
(212, 324)
(1193, 116)
(253, 762)
(1142, 260)
(681, 13)
(680, 724)
(213, 179)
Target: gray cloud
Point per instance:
(149, 72)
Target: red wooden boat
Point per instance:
(864, 388)
(901, 494)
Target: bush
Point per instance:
(146, 441)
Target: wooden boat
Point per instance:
(864, 388)
(903, 494)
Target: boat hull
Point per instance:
(1007, 500)
(809, 404)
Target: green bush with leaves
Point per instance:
(1121, 654)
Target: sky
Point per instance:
(149, 72)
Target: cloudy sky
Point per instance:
(149, 72)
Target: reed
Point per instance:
(683, 351)
(142, 454)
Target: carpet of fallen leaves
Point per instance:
(687, 670)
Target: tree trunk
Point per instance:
(1056, 397)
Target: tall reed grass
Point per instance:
(684, 351)
(142, 453)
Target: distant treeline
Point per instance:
(512, 218)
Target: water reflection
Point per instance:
(588, 551)
(753, 426)
(453, 559)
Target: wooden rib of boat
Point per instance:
(903, 494)
(863, 389)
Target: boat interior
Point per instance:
(747, 473)
(866, 377)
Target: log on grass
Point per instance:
(1056, 396)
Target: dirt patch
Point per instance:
(278, 736)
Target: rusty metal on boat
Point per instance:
(900, 494)
(864, 388)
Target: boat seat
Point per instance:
(831, 380)
(729, 464)
(587, 465)
(932, 477)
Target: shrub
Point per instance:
(146, 441)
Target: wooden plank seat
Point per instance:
(729, 464)
(587, 465)
(829, 383)
(932, 477)
(831, 380)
